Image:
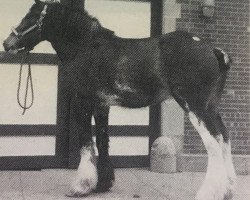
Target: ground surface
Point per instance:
(130, 184)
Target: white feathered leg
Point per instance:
(86, 177)
(216, 183)
(231, 175)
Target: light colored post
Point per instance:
(172, 115)
(167, 147)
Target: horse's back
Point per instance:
(145, 71)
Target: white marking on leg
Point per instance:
(215, 185)
(86, 177)
(109, 99)
(196, 38)
(226, 150)
(124, 87)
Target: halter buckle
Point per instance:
(13, 29)
(44, 11)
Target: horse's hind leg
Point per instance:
(219, 180)
(220, 176)
(86, 178)
(104, 165)
(227, 156)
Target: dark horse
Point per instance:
(104, 70)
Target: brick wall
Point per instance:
(229, 30)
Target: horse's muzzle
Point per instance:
(10, 44)
(6, 46)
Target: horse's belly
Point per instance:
(133, 99)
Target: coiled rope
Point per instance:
(29, 84)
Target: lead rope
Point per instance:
(29, 84)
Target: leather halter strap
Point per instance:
(38, 24)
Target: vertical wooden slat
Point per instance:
(63, 102)
(65, 106)
(156, 17)
(155, 111)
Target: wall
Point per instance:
(229, 30)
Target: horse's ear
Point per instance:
(38, 2)
(95, 25)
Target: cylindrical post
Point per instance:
(163, 158)
(172, 116)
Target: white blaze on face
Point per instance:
(216, 184)
(86, 178)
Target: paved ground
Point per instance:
(130, 184)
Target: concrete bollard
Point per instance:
(163, 156)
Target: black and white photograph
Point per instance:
(125, 99)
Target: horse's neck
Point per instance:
(65, 51)
(68, 32)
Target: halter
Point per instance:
(29, 82)
(38, 24)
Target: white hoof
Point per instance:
(82, 187)
(229, 165)
(231, 187)
(210, 195)
(86, 178)
(219, 190)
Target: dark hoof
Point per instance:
(104, 186)
(106, 177)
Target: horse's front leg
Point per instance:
(86, 178)
(104, 166)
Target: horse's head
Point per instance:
(29, 32)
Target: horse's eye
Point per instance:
(31, 16)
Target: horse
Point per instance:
(104, 70)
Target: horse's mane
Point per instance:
(74, 24)
(72, 29)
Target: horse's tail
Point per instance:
(224, 62)
(223, 59)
